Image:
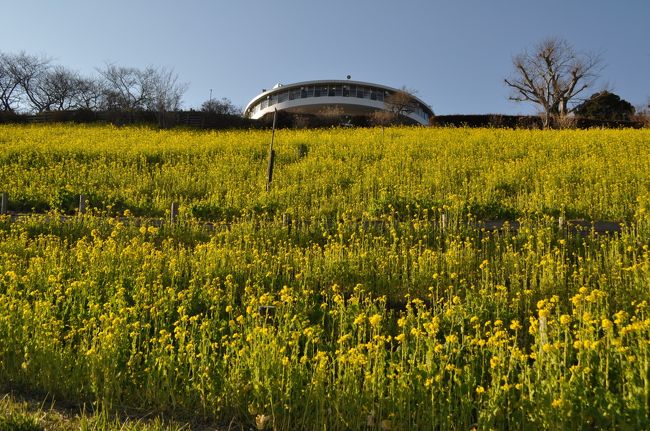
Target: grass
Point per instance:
(21, 413)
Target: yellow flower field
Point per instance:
(381, 305)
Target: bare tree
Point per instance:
(552, 76)
(90, 93)
(31, 82)
(126, 88)
(401, 102)
(166, 92)
(131, 89)
(220, 106)
(9, 85)
(29, 72)
(52, 89)
(57, 90)
(643, 113)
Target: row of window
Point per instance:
(325, 90)
(321, 91)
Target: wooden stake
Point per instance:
(174, 212)
(286, 221)
(82, 204)
(4, 203)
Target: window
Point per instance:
(294, 94)
(320, 90)
(307, 91)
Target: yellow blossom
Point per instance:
(515, 325)
(565, 319)
(374, 320)
(606, 324)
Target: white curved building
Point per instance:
(313, 97)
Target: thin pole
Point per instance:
(275, 115)
(269, 168)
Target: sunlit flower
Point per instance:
(374, 320)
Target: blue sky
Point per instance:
(455, 54)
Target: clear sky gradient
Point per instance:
(455, 54)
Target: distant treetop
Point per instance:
(605, 106)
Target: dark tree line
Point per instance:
(30, 83)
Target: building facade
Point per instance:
(350, 98)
